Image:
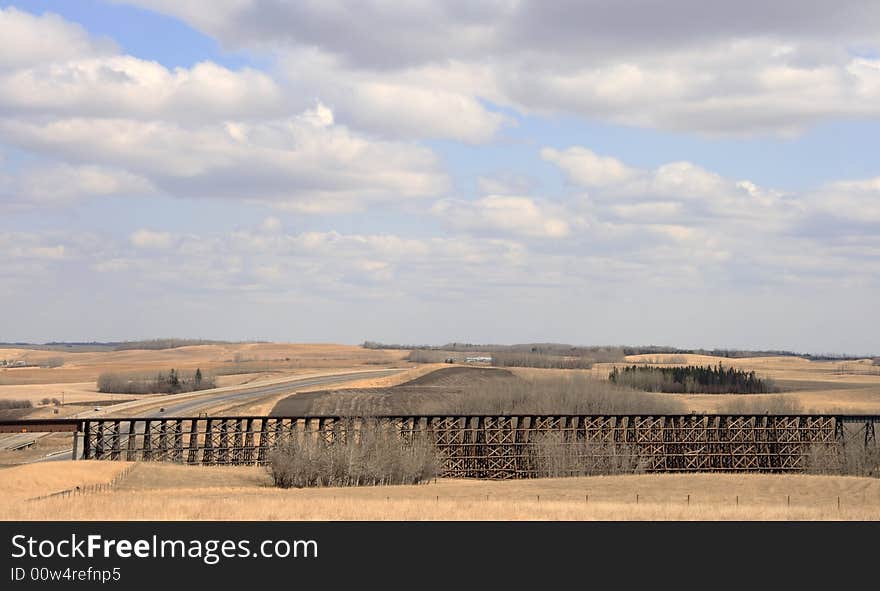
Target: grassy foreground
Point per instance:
(170, 492)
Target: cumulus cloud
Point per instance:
(61, 184)
(288, 161)
(685, 65)
(126, 125)
(676, 190)
(361, 32)
(516, 215)
(855, 200)
(125, 86)
(586, 168)
(27, 40)
(271, 224)
(150, 239)
(429, 101)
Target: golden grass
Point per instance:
(818, 386)
(87, 366)
(386, 381)
(30, 480)
(168, 492)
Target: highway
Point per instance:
(193, 404)
(193, 407)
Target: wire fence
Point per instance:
(88, 488)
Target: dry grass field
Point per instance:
(435, 387)
(815, 386)
(169, 492)
(806, 386)
(164, 491)
(234, 364)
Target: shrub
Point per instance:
(367, 456)
(428, 356)
(160, 344)
(576, 393)
(172, 382)
(52, 362)
(779, 404)
(540, 360)
(855, 459)
(10, 404)
(558, 455)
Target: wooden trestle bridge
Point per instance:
(486, 446)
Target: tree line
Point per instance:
(691, 379)
(173, 382)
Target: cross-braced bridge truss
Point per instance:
(497, 447)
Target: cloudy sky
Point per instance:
(635, 172)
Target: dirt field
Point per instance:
(234, 364)
(411, 396)
(806, 386)
(231, 358)
(817, 386)
(155, 491)
(168, 492)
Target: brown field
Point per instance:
(32, 480)
(817, 386)
(806, 386)
(244, 358)
(234, 364)
(170, 492)
(813, 386)
(434, 387)
(163, 491)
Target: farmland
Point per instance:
(167, 491)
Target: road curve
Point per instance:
(195, 406)
(191, 407)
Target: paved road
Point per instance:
(192, 407)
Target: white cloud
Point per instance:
(27, 39)
(125, 125)
(286, 162)
(856, 202)
(680, 190)
(124, 86)
(271, 224)
(59, 184)
(432, 101)
(686, 65)
(150, 239)
(584, 167)
(517, 215)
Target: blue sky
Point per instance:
(305, 173)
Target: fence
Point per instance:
(88, 488)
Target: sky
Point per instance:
(677, 173)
